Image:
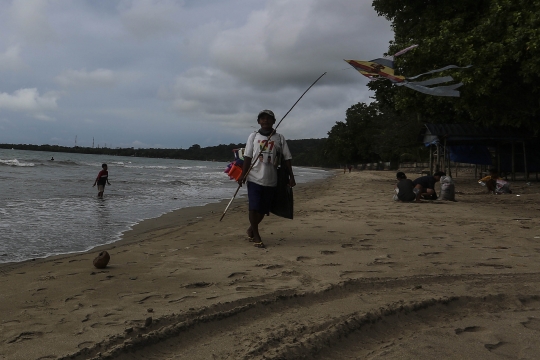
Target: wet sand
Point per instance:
(354, 275)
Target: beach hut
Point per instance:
(508, 149)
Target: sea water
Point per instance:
(49, 207)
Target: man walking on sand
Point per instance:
(262, 178)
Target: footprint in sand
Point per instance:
(290, 273)
(104, 325)
(250, 287)
(492, 347)
(10, 322)
(495, 266)
(303, 258)
(346, 245)
(146, 298)
(238, 274)
(197, 285)
(85, 344)
(532, 323)
(72, 297)
(355, 272)
(26, 335)
(468, 329)
(183, 298)
(272, 267)
(328, 252)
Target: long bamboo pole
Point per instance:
(271, 134)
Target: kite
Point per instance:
(383, 68)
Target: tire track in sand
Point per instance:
(363, 317)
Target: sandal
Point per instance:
(251, 239)
(259, 245)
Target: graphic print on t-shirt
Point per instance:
(266, 154)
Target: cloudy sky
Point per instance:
(173, 73)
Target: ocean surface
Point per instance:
(49, 207)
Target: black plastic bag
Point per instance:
(283, 203)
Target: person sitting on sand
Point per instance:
(101, 180)
(262, 178)
(405, 190)
(427, 185)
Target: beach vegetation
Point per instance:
(499, 38)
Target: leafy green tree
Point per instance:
(350, 141)
(373, 133)
(500, 38)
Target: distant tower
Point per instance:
(92, 143)
(75, 140)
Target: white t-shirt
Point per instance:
(263, 153)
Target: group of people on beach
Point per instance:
(423, 187)
(261, 176)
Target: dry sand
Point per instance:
(353, 276)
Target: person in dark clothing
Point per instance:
(101, 180)
(261, 178)
(427, 183)
(406, 190)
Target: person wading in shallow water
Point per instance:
(262, 179)
(101, 180)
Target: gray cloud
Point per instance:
(146, 19)
(30, 19)
(10, 59)
(95, 78)
(29, 101)
(175, 73)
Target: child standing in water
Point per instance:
(101, 180)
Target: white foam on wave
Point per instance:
(146, 166)
(15, 162)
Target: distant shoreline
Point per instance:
(306, 152)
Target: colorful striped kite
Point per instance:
(383, 68)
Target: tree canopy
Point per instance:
(374, 132)
(500, 38)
